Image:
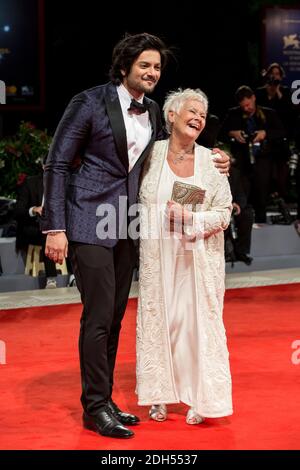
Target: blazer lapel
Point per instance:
(152, 117)
(115, 115)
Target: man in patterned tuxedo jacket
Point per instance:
(112, 127)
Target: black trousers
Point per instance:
(256, 183)
(244, 221)
(280, 175)
(103, 276)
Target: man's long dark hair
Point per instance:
(129, 48)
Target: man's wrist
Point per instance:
(57, 232)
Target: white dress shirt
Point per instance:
(138, 127)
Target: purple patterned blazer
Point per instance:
(93, 128)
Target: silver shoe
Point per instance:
(158, 412)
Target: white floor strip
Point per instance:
(70, 295)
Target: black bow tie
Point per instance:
(137, 108)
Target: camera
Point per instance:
(272, 81)
(231, 235)
(253, 147)
(232, 224)
(248, 137)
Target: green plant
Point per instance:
(20, 156)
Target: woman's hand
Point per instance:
(178, 216)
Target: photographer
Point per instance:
(254, 133)
(278, 97)
(239, 231)
(28, 210)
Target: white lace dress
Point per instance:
(181, 344)
(180, 296)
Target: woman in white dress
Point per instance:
(182, 351)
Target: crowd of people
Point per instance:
(261, 133)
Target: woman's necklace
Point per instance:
(180, 156)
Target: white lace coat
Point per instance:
(155, 382)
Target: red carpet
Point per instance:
(40, 384)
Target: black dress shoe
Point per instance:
(124, 418)
(106, 424)
(245, 258)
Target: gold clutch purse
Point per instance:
(184, 194)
